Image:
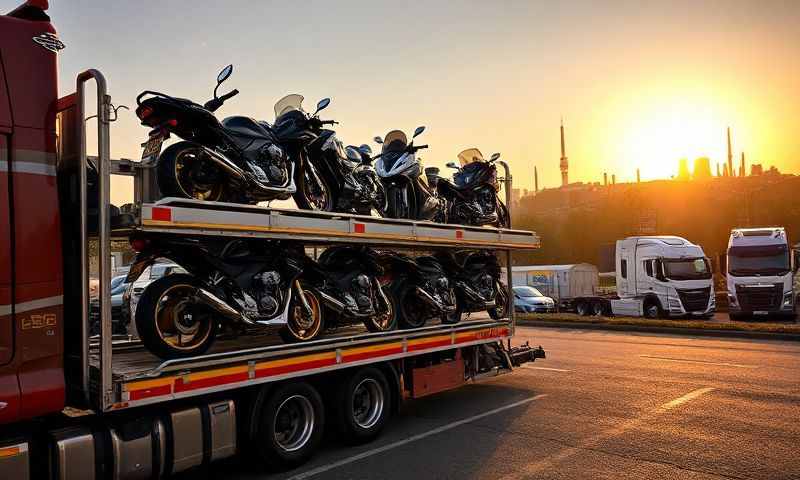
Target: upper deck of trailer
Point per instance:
(195, 217)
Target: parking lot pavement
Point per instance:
(603, 405)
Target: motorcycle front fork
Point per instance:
(301, 295)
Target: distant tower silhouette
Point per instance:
(718, 173)
(638, 176)
(605, 178)
(741, 167)
(535, 180)
(683, 169)
(613, 179)
(731, 171)
(564, 165)
(725, 170)
(702, 168)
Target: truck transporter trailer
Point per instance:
(101, 407)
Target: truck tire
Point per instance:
(582, 308)
(652, 309)
(163, 314)
(598, 309)
(363, 405)
(290, 426)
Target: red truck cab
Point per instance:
(31, 286)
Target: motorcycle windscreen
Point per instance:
(394, 141)
(288, 103)
(470, 155)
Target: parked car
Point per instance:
(530, 300)
(119, 315)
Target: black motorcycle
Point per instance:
(348, 282)
(400, 172)
(238, 283)
(237, 160)
(475, 276)
(423, 290)
(472, 197)
(347, 173)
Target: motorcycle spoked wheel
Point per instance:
(386, 321)
(500, 310)
(183, 172)
(170, 323)
(302, 326)
(313, 192)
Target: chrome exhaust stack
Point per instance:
(221, 307)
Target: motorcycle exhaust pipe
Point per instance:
(331, 302)
(473, 295)
(240, 175)
(221, 307)
(428, 298)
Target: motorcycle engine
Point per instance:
(266, 291)
(485, 286)
(362, 293)
(271, 160)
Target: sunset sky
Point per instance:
(640, 84)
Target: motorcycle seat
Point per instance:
(429, 264)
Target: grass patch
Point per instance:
(755, 326)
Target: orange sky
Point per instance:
(640, 84)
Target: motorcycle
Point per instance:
(422, 289)
(347, 173)
(237, 283)
(400, 172)
(237, 160)
(475, 276)
(348, 281)
(472, 197)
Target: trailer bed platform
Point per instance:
(139, 378)
(193, 217)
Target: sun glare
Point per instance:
(662, 134)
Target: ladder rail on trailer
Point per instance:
(105, 392)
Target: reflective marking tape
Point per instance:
(13, 450)
(32, 305)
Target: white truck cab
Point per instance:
(662, 276)
(760, 274)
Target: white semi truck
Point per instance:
(760, 274)
(657, 277)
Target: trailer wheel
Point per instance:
(363, 405)
(598, 309)
(290, 426)
(582, 308)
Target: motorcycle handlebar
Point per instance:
(229, 95)
(420, 147)
(328, 122)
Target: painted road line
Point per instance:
(413, 438)
(704, 362)
(689, 396)
(546, 368)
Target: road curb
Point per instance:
(697, 332)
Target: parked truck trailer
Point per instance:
(656, 277)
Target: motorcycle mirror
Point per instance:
(322, 104)
(494, 157)
(452, 165)
(224, 74)
(418, 131)
(365, 149)
(378, 139)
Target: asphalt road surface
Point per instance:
(602, 405)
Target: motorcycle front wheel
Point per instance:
(183, 171)
(386, 321)
(170, 323)
(313, 192)
(302, 326)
